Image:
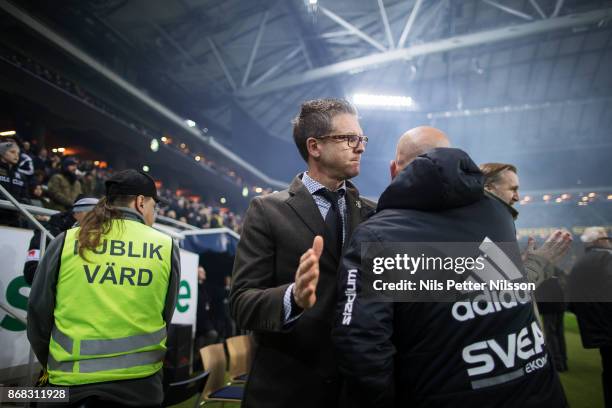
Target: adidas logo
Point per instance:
(489, 302)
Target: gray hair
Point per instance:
(6, 146)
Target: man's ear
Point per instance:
(312, 145)
(139, 203)
(393, 168)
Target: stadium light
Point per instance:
(154, 145)
(223, 200)
(258, 190)
(8, 133)
(145, 168)
(197, 158)
(190, 123)
(383, 101)
(312, 2)
(245, 191)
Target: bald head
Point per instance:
(415, 142)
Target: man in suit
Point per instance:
(284, 277)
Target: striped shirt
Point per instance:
(323, 205)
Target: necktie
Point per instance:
(333, 219)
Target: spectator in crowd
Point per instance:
(12, 180)
(26, 165)
(421, 354)
(64, 187)
(37, 195)
(205, 330)
(40, 177)
(205, 214)
(92, 184)
(41, 160)
(181, 208)
(57, 224)
(550, 297)
(217, 287)
(502, 182)
(91, 179)
(55, 165)
(590, 286)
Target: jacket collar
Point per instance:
(131, 214)
(7, 166)
(598, 248)
(302, 202)
(313, 185)
(513, 211)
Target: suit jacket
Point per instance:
(293, 364)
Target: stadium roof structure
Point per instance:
(526, 76)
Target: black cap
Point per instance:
(131, 182)
(69, 161)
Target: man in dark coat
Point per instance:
(440, 354)
(550, 297)
(284, 277)
(590, 287)
(11, 180)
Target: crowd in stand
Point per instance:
(56, 79)
(50, 180)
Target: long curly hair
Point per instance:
(98, 221)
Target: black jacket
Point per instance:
(15, 183)
(590, 286)
(423, 354)
(550, 294)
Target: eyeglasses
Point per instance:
(351, 140)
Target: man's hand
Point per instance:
(307, 275)
(553, 249)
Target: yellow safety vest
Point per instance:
(108, 313)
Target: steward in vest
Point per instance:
(103, 296)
